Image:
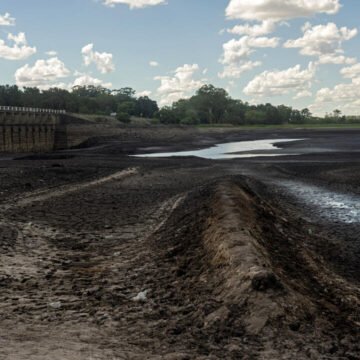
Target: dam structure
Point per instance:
(24, 129)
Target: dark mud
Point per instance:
(105, 256)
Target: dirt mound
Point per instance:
(244, 280)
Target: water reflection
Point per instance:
(233, 150)
(332, 205)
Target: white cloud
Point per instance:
(269, 13)
(7, 20)
(87, 80)
(337, 60)
(43, 74)
(278, 10)
(51, 53)
(235, 70)
(236, 54)
(236, 50)
(153, 63)
(103, 61)
(180, 85)
(266, 27)
(18, 39)
(281, 82)
(144, 93)
(344, 96)
(19, 50)
(302, 94)
(351, 71)
(134, 4)
(324, 42)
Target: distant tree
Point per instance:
(255, 117)
(235, 112)
(123, 117)
(10, 95)
(284, 113)
(166, 115)
(306, 114)
(337, 113)
(296, 117)
(145, 107)
(211, 103)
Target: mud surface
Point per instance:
(106, 256)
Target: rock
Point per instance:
(55, 305)
(141, 297)
(264, 281)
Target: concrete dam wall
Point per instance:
(27, 132)
(35, 130)
(39, 130)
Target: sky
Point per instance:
(301, 53)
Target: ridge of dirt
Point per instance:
(259, 291)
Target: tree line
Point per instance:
(82, 99)
(209, 105)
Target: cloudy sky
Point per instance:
(303, 53)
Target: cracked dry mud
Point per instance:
(161, 259)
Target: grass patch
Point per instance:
(284, 126)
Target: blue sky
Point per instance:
(301, 54)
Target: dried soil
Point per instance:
(104, 256)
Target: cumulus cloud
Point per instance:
(87, 80)
(153, 63)
(281, 82)
(302, 94)
(144, 93)
(18, 48)
(180, 85)
(266, 27)
(324, 42)
(351, 71)
(134, 4)
(235, 70)
(236, 50)
(43, 74)
(103, 61)
(278, 10)
(236, 54)
(18, 39)
(344, 96)
(51, 53)
(267, 14)
(7, 20)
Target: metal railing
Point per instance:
(31, 110)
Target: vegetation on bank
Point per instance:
(82, 99)
(209, 106)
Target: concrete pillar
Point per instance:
(2, 138)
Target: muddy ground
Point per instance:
(107, 256)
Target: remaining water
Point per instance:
(330, 204)
(233, 150)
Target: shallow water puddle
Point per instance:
(233, 150)
(331, 205)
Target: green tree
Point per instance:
(255, 117)
(211, 104)
(145, 107)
